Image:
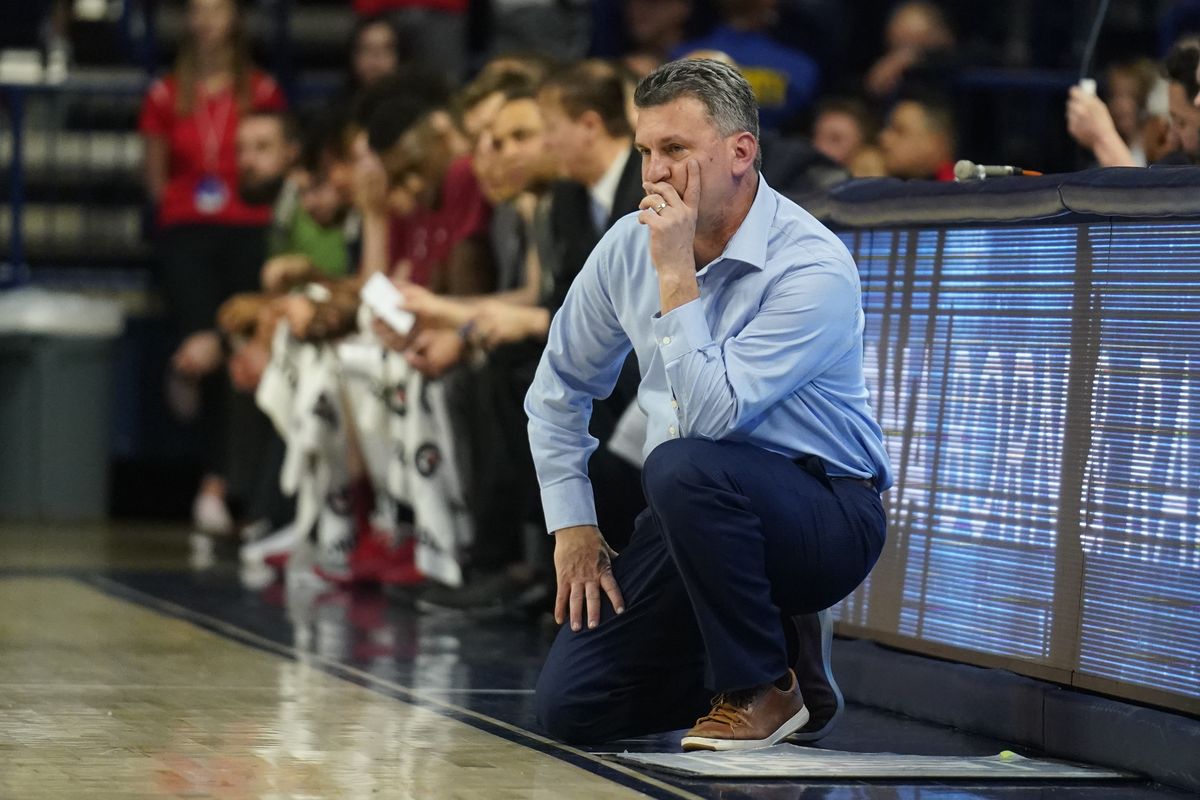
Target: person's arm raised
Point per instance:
(1091, 125)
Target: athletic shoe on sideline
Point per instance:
(486, 596)
(255, 531)
(211, 515)
(375, 559)
(399, 569)
(282, 541)
(331, 561)
(335, 541)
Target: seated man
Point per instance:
(516, 173)
(439, 240)
(315, 229)
(844, 131)
(267, 149)
(764, 462)
(918, 141)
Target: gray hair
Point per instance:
(726, 95)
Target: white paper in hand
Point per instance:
(384, 299)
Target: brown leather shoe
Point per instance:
(749, 719)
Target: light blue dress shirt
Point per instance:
(770, 354)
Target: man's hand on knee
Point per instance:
(583, 563)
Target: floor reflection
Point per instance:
(104, 699)
(125, 674)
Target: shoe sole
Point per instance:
(261, 550)
(491, 610)
(798, 720)
(484, 613)
(330, 576)
(826, 618)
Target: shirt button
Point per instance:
(675, 404)
(666, 340)
(671, 430)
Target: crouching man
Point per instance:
(764, 466)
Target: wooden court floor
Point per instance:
(105, 699)
(125, 674)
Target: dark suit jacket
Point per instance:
(567, 240)
(572, 233)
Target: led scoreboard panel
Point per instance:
(1037, 385)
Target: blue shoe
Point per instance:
(814, 673)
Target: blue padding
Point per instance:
(1113, 192)
(1134, 192)
(888, 202)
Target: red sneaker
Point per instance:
(376, 560)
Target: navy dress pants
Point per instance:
(735, 539)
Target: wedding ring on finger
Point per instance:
(658, 208)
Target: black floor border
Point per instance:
(591, 763)
(1060, 722)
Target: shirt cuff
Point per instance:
(681, 331)
(569, 503)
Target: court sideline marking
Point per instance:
(595, 764)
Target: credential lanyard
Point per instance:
(211, 132)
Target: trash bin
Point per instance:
(56, 389)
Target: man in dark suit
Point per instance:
(588, 128)
(585, 127)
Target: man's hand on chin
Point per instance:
(583, 563)
(672, 223)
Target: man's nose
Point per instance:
(656, 170)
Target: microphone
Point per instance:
(970, 171)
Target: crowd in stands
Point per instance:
(342, 444)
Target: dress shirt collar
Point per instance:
(749, 244)
(604, 191)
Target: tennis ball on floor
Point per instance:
(1007, 755)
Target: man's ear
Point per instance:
(592, 121)
(744, 150)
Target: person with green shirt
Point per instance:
(314, 227)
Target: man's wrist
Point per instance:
(677, 269)
(676, 290)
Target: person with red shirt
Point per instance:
(440, 243)
(428, 213)
(211, 244)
